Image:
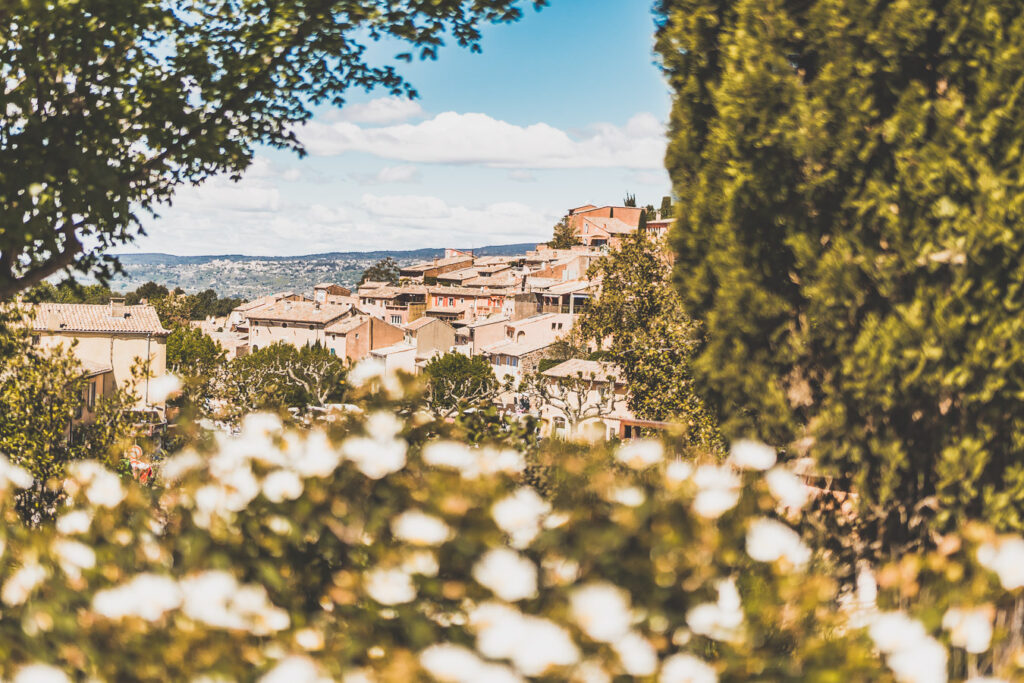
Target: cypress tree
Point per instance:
(849, 182)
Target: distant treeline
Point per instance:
(189, 306)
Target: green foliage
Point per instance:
(148, 291)
(42, 392)
(642, 223)
(196, 358)
(279, 377)
(640, 316)
(666, 207)
(111, 107)
(385, 270)
(629, 200)
(847, 176)
(563, 236)
(456, 380)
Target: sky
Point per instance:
(563, 108)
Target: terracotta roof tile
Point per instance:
(141, 319)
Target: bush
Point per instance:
(391, 547)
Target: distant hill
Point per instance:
(254, 276)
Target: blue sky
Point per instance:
(563, 108)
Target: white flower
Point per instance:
(102, 487)
(493, 460)
(719, 620)
(294, 669)
(215, 598)
(163, 387)
(389, 586)
(75, 522)
(282, 485)
(452, 663)
(640, 453)
(769, 540)
(718, 490)
(533, 644)
(375, 458)
(383, 425)
(970, 629)
(508, 575)
(678, 471)
(590, 671)
(895, 631)
(560, 571)
(422, 562)
(261, 425)
(309, 639)
(450, 454)
(602, 611)
(21, 583)
(317, 458)
(1005, 558)
(637, 655)
(371, 369)
(630, 496)
(12, 474)
(787, 487)
(177, 466)
(520, 515)
(146, 596)
(685, 668)
(752, 455)
(73, 556)
(418, 528)
(40, 673)
(923, 662)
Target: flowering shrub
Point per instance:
(394, 548)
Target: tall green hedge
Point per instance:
(849, 177)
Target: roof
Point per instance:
(389, 292)
(301, 312)
(421, 322)
(460, 274)
(439, 263)
(577, 367)
(585, 207)
(541, 317)
(569, 287)
(489, 320)
(611, 225)
(464, 291)
(263, 301)
(394, 348)
(141, 319)
(513, 348)
(346, 325)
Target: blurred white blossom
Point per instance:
(295, 669)
(913, 655)
(1006, 558)
(282, 485)
(389, 586)
(602, 611)
(678, 471)
(720, 620)
(970, 629)
(630, 496)
(637, 655)
(11, 474)
(74, 522)
(507, 574)
(419, 528)
(40, 673)
(752, 455)
(533, 644)
(769, 540)
(520, 515)
(73, 556)
(787, 487)
(163, 387)
(718, 490)
(640, 453)
(102, 487)
(146, 596)
(686, 668)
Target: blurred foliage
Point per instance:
(455, 380)
(384, 270)
(394, 546)
(848, 182)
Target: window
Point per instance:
(35, 340)
(514, 362)
(451, 301)
(284, 324)
(396, 320)
(92, 395)
(333, 353)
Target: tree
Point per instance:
(847, 177)
(563, 237)
(638, 317)
(111, 107)
(642, 223)
(456, 381)
(629, 200)
(196, 358)
(576, 398)
(666, 207)
(384, 270)
(148, 291)
(42, 393)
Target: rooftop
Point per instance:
(587, 369)
(569, 287)
(394, 348)
(437, 263)
(612, 226)
(420, 322)
(300, 312)
(512, 348)
(137, 320)
(346, 325)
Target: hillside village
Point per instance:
(508, 310)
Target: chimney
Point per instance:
(117, 309)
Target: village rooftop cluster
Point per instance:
(510, 310)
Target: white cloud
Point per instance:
(521, 175)
(397, 174)
(226, 195)
(453, 138)
(381, 110)
(405, 206)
